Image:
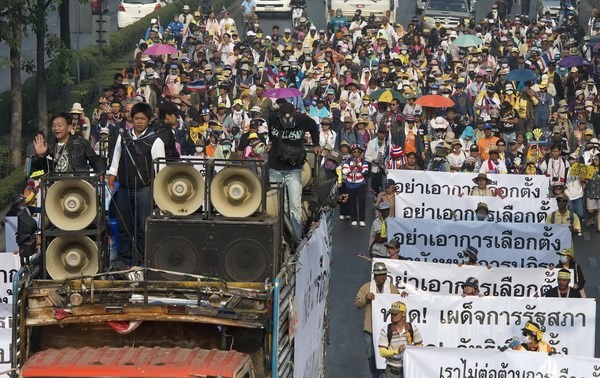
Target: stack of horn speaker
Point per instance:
(215, 218)
(73, 225)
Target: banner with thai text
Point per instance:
(431, 362)
(9, 266)
(312, 286)
(516, 245)
(447, 279)
(490, 322)
(532, 210)
(446, 183)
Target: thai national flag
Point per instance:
(269, 76)
(196, 86)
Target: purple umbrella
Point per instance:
(160, 49)
(282, 93)
(573, 61)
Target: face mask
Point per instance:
(199, 149)
(564, 259)
(528, 339)
(562, 115)
(589, 108)
(481, 216)
(259, 150)
(434, 92)
(466, 260)
(403, 52)
(327, 74)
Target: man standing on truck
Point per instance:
(287, 155)
(380, 284)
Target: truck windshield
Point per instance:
(447, 5)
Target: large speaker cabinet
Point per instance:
(245, 250)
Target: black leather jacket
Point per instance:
(76, 156)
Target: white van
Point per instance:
(379, 8)
(273, 6)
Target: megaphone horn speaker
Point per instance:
(68, 256)
(236, 192)
(273, 203)
(71, 204)
(179, 189)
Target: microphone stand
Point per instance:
(126, 141)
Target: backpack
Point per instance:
(553, 217)
(408, 328)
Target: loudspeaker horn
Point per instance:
(236, 192)
(179, 189)
(68, 256)
(306, 174)
(273, 203)
(71, 204)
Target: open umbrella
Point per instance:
(281, 93)
(467, 40)
(573, 61)
(160, 49)
(521, 74)
(387, 95)
(435, 101)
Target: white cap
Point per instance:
(287, 30)
(313, 27)
(453, 33)
(186, 7)
(153, 21)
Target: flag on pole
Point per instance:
(269, 76)
(196, 86)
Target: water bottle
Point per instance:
(113, 239)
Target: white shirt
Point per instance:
(157, 151)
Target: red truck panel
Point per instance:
(133, 362)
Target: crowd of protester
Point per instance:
(360, 81)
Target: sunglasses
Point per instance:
(561, 200)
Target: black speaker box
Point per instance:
(242, 250)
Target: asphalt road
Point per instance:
(29, 45)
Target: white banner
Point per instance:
(312, 286)
(532, 210)
(9, 266)
(431, 362)
(490, 322)
(447, 279)
(517, 245)
(446, 183)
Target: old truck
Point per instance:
(152, 322)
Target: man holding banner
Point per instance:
(380, 284)
(563, 290)
(533, 339)
(394, 338)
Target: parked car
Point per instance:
(99, 6)
(448, 12)
(132, 10)
(273, 6)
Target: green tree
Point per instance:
(11, 31)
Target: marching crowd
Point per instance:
(504, 95)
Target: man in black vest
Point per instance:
(286, 157)
(132, 164)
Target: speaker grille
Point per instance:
(246, 260)
(176, 254)
(230, 250)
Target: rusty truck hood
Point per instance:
(134, 362)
